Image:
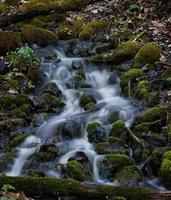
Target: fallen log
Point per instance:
(21, 16)
(52, 187)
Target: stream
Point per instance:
(107, 94)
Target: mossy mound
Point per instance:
(42, 37)
(92, 28)
(9, 41)
(165, 169)
(147, 55)
(18, 140)
(77, 171)
(125, 51)
(128, 176)
(103, 147)
(116, 162)
(118, 128)
(86, 99)
(155, 113)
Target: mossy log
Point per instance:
(51, 187)
(21, 16)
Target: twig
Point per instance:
(139, 35)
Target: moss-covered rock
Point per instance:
(128, 176)
(113, 163)
(9, 41)
(125, 51)
(118, 128)
(92, 28)
(103, 147)
(165, 168)
(18, 140)
(85, 99)
(156, 158)
(46, 153)
(42, 37)
(77, 171)
(96, 133)
(155, 113)
(147, 55)
(35, 173)
(50, 103)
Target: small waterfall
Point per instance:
(60, 73)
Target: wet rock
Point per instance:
(49, 102)
(113, 79)
(77, 171)
(81, 157)
(110, 114)
(96, 133)
(128, 176)
(102, 47)
(69, 129)
(52, 89)
(85, 99)
(46, 153)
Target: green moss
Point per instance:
(85, 99)
(156, 158)
(103, 148)
(169, 132)
(18, 140)
(73, 4)
(148, 54)
(132, 76)
(17, 112)
(42, 37)
(12, 2)
(91, 28)
(142, 89)
(9, 41)
(155, 113)
(129, 176)
(118, 161)
(92, 126)
(118, 128)
(77, 171)
(126, 50)
(165, 171)
(53, 187)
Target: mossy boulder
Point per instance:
(155, 113)
(52, 89)
(165, 168)
(47, 152)
(156, 158)
(85, 99)
(9, 41)
(18, 140)
(35, 173)
(92, 28)
(129, 176)
(147, 55)
(118, 128)
(103, 147)
(126, 51)
(42, 37)
(113, 163)
(96, 133)
(77, 171)
(50, 103)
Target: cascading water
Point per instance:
(107, 95)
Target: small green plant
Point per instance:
(7, 188)
(24, 56)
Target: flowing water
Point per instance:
(107, 95)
